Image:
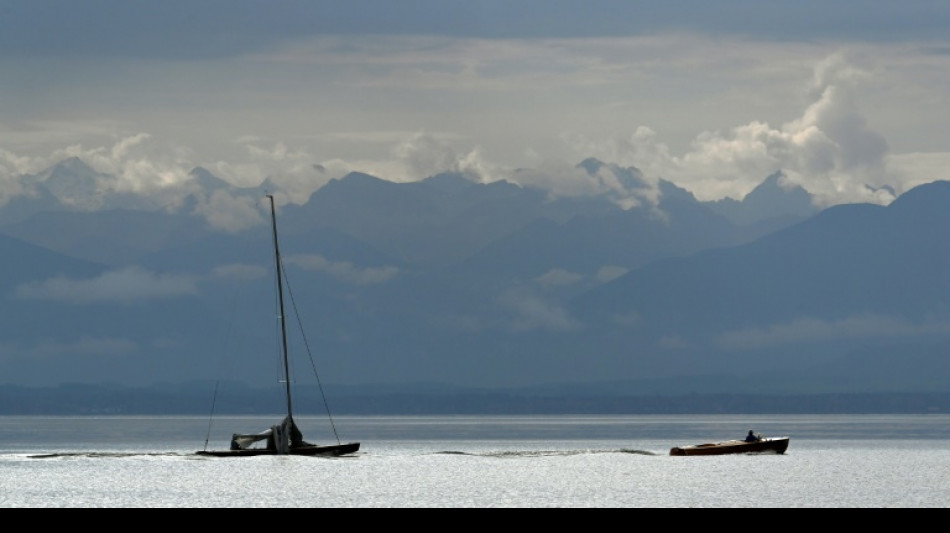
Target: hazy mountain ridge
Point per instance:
(772, 201)
(844, 282)
(492, 285)
(23, 260)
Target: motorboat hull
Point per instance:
(776, 446)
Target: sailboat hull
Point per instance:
(284, 438)
(317, 451)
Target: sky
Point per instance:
(844, 97)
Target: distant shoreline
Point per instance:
(104, 400)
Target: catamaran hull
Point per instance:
(317, 451)
(284, 438)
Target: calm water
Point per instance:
(617, 461)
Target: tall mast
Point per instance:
(280, 297)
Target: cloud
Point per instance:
(611, 272)
(920, 168)
(798, 106)
(134, 164)
(10, 186)
(559, 178)
(141, 30)
(811, 330)
(534, 313)
(240, 272)
(127, 286)
(631, 320)
(230, 213)
(296, 172)
(12, 164)
(831, 150)
(161, 174)
(85, 346)
(344, 271)
(674, 344)
(425, 154)
(558, 278)
(628, 188)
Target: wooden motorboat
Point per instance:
(772, 445)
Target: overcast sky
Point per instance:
(714, 96)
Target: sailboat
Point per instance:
(284, 438)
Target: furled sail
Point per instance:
(280, 438)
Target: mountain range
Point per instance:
(449, 282)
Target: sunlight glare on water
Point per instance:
(462, 471)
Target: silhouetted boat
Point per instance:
(284, 438)
(776, 445)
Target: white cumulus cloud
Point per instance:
(830, 149)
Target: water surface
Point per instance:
(615, 461)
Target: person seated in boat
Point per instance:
(752, 437)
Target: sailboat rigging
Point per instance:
(284, 438)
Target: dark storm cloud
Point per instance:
(178, 29)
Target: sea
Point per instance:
(866, 461)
